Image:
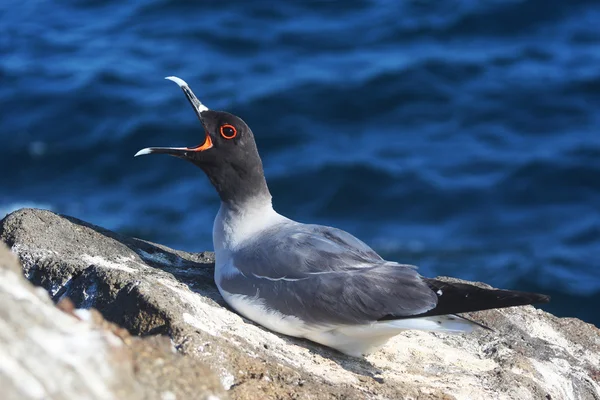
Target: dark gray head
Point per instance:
(228, 154)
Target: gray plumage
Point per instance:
(324, 275)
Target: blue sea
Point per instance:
(462, 136)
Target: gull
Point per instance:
(313, 281)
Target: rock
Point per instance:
(150, 289)
(65, 353)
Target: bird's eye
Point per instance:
(228, 131)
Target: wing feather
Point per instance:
(324, 275)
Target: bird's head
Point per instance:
(228, 153)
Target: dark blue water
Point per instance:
(461, 136)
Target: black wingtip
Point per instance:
(458, 297)
(527, 297)
(542, 298)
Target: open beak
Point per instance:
(199, 108)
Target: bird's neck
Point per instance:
(239, 187)
(235, 224)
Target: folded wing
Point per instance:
(326, 276)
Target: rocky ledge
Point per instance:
(155, 292)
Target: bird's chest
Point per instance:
(226, 237)
(233, 226)
(230, 230)
(224, 267)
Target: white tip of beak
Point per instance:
(177, 80)
(143, 152)
(197, 104)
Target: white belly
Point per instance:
(254, 309)
(337, 338)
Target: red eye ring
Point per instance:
(228, 131)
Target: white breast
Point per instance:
(234, 225)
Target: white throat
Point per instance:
(234, 225)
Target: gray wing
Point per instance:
(324, 275)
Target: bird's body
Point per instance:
(313, 281)
(259, 261)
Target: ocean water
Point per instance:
(459, 136)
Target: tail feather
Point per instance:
(357, 340)
(479, 324)
(437, 323)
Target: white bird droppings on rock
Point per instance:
(168, 396)
(159, 258)
(121, 265)
(227, 379)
